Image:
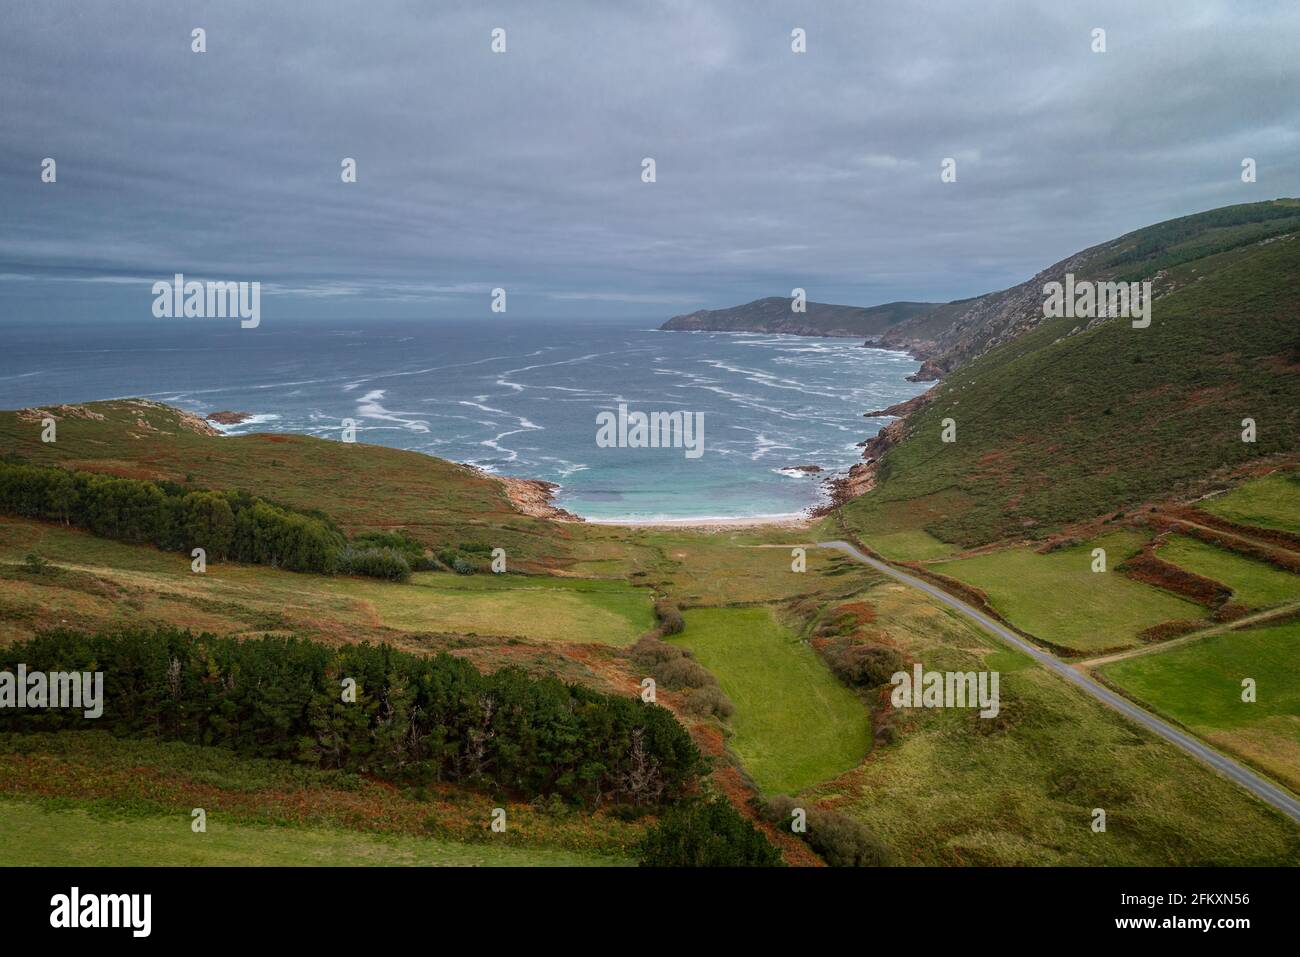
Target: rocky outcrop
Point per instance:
(533, 497)
(229, 418)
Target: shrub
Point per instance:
(235, 525)
(386, 563)
(35, 564)
(463, 566)
(863, 665)
(708, 699)
(670, 618)
(683, 672)
(649, 652)
(711, 834)
(839, 839)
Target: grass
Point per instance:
(139, 778)
(1199, 686)
(545, 609)
(702, 568)
(1253, 583)
(1058, 598)
(1272, 501)
(1018, 790)
(99, 582)
(794, 723)
(36, 834)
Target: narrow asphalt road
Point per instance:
(1261, 788)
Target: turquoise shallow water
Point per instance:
(516, 397)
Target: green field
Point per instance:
(547, 609)
(1058, 598)
(794, 724)
(1019, 789)
(1255, 584)
(47, 835)
(1199, 686)
(1269, 502)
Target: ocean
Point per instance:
(515, 397)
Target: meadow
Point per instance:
(1254, 584)
(33, 834)
(1272, 501)
(794, 724)
(1199, 685)
(1058, 598)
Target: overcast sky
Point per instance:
(523, 169)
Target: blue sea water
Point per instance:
(515, 397)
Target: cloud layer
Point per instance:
(523, 169)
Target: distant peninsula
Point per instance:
(774, 314)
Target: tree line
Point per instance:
(410, 719)
(233, 525)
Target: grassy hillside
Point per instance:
(362, 487)
(956, 789)
(955, 333)
(1065, 422)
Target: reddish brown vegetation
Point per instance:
(1270, 535)
(1278, 557)
(1149, 569)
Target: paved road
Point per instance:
(1261, 788)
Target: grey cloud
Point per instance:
(523, 169)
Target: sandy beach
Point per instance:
(793, 520)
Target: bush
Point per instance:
(649, 652)
(463, 566)
(840, 840)
(35, 564)
(386, 563)
(678, 673)
(708, 699)
(670, 618)
(863, 665)
(709, 834)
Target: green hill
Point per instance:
(363, 488)
(1071, 418)
(951, 335)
